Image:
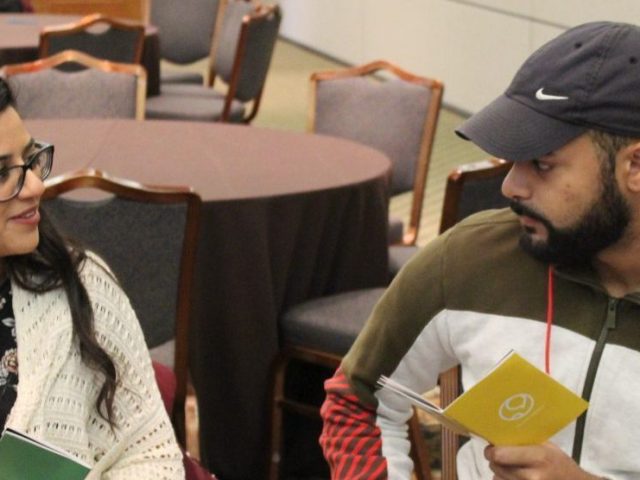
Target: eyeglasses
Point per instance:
(12, 178)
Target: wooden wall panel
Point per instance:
(137, 10)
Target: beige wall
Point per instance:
(474, 46)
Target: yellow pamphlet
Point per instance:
(515, 404)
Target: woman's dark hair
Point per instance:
(56, 264)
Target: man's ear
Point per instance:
(631, 158)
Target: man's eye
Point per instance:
(541, 166)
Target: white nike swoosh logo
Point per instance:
(540, 95)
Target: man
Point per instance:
(564, 262)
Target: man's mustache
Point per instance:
(520, 209)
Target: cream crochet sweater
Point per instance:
(57, 392)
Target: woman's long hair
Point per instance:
(56, 264)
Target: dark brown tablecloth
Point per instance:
(20, 35)
(286, 217)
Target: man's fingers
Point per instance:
(515, 456)
(509, 473)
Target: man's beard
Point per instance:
(602, 226)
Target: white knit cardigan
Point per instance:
(57, 391)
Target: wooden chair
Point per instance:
(397, 116)
(166, 380)
(136, 10)
(470, 188)
(320, 331)
(147, 235)
(279, 402)
(251, 32)
(383, 106)
(97, 35)
(102, 89)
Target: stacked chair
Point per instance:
(246, 42)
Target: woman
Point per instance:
(75, 370)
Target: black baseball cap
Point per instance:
(586, 78)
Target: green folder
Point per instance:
(22, 457)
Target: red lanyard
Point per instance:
(547, 340)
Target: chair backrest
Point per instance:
(246, 42)
(390, 109)
(147, 235)
(471, 188)
(136, 10)
(102, 89)
(186, 28)
(97, 35)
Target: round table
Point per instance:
(20, 37)
(286, 217)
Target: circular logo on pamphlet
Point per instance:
(516, 407)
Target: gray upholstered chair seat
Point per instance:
(185, 102)
(399, 255)
(191, 90)
(329, 324)
(396, 230)
(181, 77)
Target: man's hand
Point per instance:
(535, 462)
